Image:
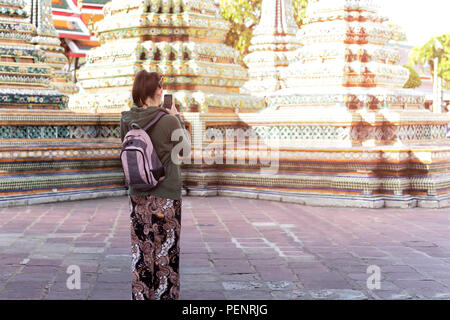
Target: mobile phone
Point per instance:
(168, 100)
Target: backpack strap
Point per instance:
(155, 120)
(162, 171)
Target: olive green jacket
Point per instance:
(160, 134)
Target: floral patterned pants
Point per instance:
(155, 246)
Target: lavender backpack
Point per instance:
(141, 165)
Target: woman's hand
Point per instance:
(173, 110)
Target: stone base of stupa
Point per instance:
(322, 156)
(327, 157)
(50, 156)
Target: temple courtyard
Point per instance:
(231, 248)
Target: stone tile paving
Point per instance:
(232, 248)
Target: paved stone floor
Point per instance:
(232, 248)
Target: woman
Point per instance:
(156, 214)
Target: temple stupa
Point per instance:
(25, 78)
(346, 73)
(183, 40)
(341, 130)
(47, 39)
(47, 153)
(272, 47)
(345, 51)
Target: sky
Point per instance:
(420, 19)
